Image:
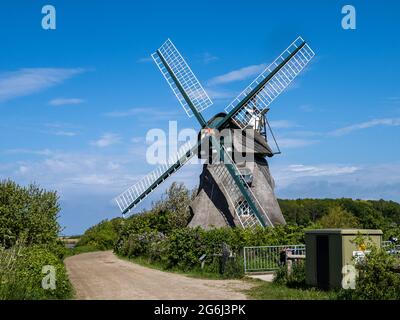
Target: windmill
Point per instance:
(229, 193)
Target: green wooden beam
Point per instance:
(226, 119)
(197, 114)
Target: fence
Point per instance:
(391, 248)
(268, 258)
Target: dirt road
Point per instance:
(101, 275)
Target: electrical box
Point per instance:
(328, 250)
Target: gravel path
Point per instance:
(102, 275)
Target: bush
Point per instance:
(24, 279)
(296, 279)
(102, 236)
(182, 248)
(377, 279)
(28, 212)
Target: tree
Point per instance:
(338, 217)
(29, 212)
(176, 204)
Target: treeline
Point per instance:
(366, 214)
(172, 212)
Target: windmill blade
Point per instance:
(139, 191)
(256, 98)
(181, 79)
(246, 206)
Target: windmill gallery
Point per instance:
(236, 187)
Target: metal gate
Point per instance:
(268, 258)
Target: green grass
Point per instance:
(272, 291)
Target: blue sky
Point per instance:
(76, 102)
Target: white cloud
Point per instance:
(294, 143)
(31, 80)
(365, 125)
(65, 133)
(145, 113)
(208, 57)
(286, 175)
(23, 169)
(138, 139)
(282, 124)
(238, 75)
(217, 94)
(106, 140)
(126, 113)
(65, 101)
(306, 108)
(324, 170)
(42, 152)
(144, 60)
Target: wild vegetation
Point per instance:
(160, 237)
(28, 241)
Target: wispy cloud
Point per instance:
(238, 75)
(366, 125)
(145, 112)
(31, 80)
(217, 94)
(306, 108)
(65, 101)
(288, 174)
(282, 124)
(289, 143)
(41, 152)
(321, 170)
(145, 60)
(126, 113)
(208, 58)
(106, 140)
(65, 133)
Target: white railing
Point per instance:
(269, 258)
(391, 247)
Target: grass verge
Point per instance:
(272, 291)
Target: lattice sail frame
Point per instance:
(274, 87)
(184, 75)
(243, 211)
(135, 194)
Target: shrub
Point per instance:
(24, 280)
(102, 236)
(377, 279)
(27, 211)
(296, 279)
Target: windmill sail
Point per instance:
(181, 79)
(256, 98)
(248, 217)
(139, 191)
